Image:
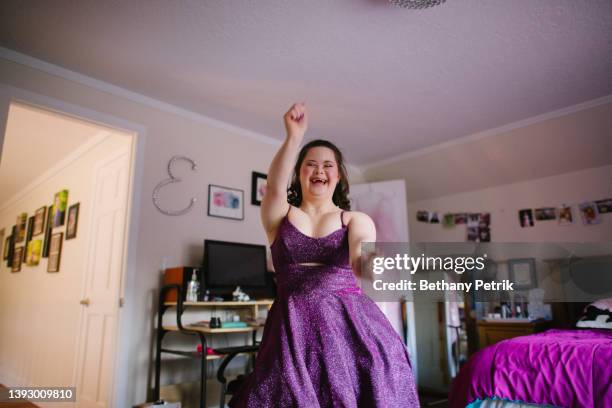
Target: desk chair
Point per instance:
(233, 386)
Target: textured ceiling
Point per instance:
(379, 80)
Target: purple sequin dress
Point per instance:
(325, 343)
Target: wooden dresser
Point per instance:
(490, 332)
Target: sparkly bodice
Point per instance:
(294, 247)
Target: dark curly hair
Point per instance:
(340, 197)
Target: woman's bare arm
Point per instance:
(361, 230)
(274, 205)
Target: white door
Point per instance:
(385, 203)
(100, 300)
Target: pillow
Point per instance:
(603, 304)
(597, 315)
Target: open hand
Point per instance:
(296, 121)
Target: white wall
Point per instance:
(40, 311)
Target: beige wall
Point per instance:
(39, 311)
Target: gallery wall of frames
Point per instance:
(478, 224)
(41, 235)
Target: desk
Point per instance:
(199, 331)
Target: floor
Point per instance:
(433, 401)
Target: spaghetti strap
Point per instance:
(342, 218)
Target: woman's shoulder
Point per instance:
(357, 217)
(361, 226)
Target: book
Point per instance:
(233, 325)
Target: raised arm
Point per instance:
(361, 229)
(274, 205)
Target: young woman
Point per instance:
(325, 343)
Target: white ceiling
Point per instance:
(379, 80)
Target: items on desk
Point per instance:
(240, 296)
(233, 325)
(193, 288)
(215, 322)
(180, 275)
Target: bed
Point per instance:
(557, 368)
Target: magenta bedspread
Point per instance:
(562, 368)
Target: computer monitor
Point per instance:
(231, 264)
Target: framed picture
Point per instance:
(566, 216)
(545, 214)
(48, 229)
(259, 184)
(28, 237)
(11, 250)
(422, 216)
(526, 218)
(460, 218)
(55, 252)
(60, 201)
(225, 202)
(22, 220)
(604, 206)
(73, 221)
(17, 258)
(39, 221)
(33, 252)
(590, 213)
(30, 229)
(522, 273)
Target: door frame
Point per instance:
(8, 95)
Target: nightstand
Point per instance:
(490, 332)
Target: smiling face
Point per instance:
(319, 173)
